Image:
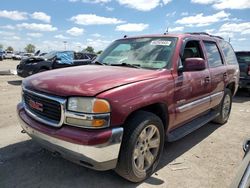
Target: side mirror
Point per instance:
(194, 64)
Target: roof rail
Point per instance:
(204, 33)
(197, 33)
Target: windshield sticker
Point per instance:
(161, 42)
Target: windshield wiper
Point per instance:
(98, 63)
(138, 66)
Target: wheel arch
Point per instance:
(159, 109)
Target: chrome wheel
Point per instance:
(226, 106)
(146, 148)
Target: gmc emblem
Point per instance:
(36, 105)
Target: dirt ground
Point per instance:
(208, 157)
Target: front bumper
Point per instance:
(96, 149)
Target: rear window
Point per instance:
(228, 52)
(243, 57)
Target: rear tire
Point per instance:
(224, 108)
(141, 147)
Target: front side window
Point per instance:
(213, 54)
(151, 53)
(228, 52)
(65, 57)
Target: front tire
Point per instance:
(224, 108)
(141, 147)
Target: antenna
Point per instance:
(166, 31)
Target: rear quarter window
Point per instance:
(228, 52)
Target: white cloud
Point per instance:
(171, 14)
(91, 1)
(225, 4)
(75, 31)
(175, 29)
(205, 2)
(15, 38)
(184, 13)
(41, 16)
(243, 28)
(201, 20)
(13, 15)
(92, 19)
(209, 31)
(109, 8)
(35, 35)
(61, 37)
(232, 4)
(97, 44)
(247, 31)
(5, 33)
(242, 39)
(132, 27)
(96, 35)
(11, 27)
(143, 5)
(37, 27)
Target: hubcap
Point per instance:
(226, 106)
(146, 148)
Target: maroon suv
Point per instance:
(140, 92)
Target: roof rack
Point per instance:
(204, 33)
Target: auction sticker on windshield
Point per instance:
(161, 42)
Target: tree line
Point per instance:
(30, 48)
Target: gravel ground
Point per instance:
(208, 157)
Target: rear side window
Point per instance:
(213, 54)
(228, 52)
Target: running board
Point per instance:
(184, 130)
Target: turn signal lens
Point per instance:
(101, 106)
(98, 122)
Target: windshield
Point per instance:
(152, 53)
(243, 57)
(50, 55)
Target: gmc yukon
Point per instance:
(140, 92)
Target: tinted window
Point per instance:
(243, 57)
(213, 54)
(228, 52)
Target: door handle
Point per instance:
(207, 79)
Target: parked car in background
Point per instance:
(242, 179)
(17, 55)
(141, 91)
(52, 60)
(8, 55)
(1, 54)
(26, 55)
(244, 63)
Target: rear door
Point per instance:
(218, 71)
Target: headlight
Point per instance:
(89, 112)
(88, 105)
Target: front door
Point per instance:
(192, 89)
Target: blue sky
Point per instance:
(47, 23)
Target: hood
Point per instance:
(32, 59)
(88, 80)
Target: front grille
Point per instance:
(45, 108)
